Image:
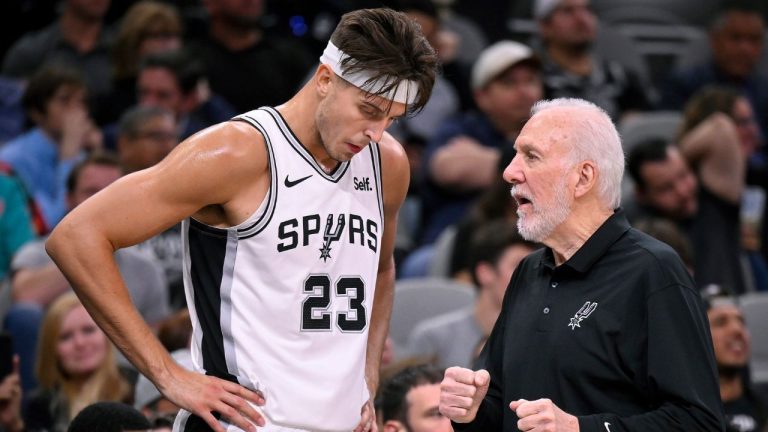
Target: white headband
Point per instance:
(405, 92)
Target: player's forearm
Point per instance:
(87, 261)
(380, 315)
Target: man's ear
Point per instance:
(394, 426)
(587, 177)
(485, 273)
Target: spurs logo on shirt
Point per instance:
(583, 313)
(286, 296)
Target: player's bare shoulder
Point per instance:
(395, 168)
(233, 146)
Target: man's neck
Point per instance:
(235, 38)
(571, 235)
(299, 114)
(80, 32)
(731, 388)
(575, 61)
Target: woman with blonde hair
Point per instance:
(75, 367)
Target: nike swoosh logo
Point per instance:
(289, 183)
(607, 426)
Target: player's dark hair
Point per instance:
(390, 46)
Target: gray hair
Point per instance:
(594, 138)
(133, 119)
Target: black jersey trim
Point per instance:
(208, 263)
(334, 176)
(263, 220)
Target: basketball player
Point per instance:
(288, 227)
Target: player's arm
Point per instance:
(203, 171)
(395, 179)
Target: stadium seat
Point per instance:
(422, 298)
(645, 125)
(755, 307)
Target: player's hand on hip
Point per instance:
(543, 415)
(461, 393)
(367, 418)
(203, 395)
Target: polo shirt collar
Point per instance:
(595, 247)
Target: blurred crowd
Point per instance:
(99, 89)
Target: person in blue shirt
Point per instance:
(55, 100)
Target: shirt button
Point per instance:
(546, 310)
(554, 284)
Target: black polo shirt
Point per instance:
(616, 336)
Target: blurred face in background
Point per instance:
(670, 186)
(154, 140)
(89, 9)
(92, 179)
(571, 25)
(507, 99)
(69, 103)
(244, 14)
(158, 87)
(81, 346)
(746, 126)
(737, 43)
(730, 337)
(423, 413)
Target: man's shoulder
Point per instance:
(444, 325)
(656, 259)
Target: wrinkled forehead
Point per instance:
(549, 131)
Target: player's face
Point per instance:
(348, 119)
(81, 346)
(539, 175)
(423, 413)
(670, 186)
(730, 337)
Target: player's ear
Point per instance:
(323, 79)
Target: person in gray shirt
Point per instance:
(453, 338)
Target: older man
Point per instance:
(602, 330)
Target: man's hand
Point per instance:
(543, 416)
(202, 395)
(367, 418)
(461, 393)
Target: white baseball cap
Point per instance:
(497, 58)
(542, 8)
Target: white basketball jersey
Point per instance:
(282, 302)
